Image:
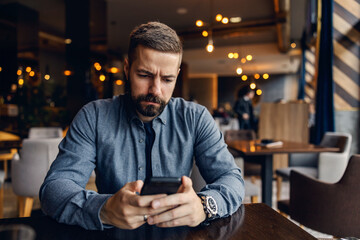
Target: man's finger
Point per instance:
(134, 186)
(186, 184)
(170, 200)
(144, 201)
(171, 216)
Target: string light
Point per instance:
(0, 69)
(265, 76)
(102, 77)
(252, 85)
(249, 57)
(239, 70)
(218, 17)
(21, 81)
(293, 45)
(114, 70)
(244, 78)
(119, 82)
(28, 69)
(243, 60)
(225, 20)
(258, 92)
(67, 72)
(199, 23)
(236, 55)
(47, 76)
(230, 55)
(256, 76)
(210, 46)
(18, 72)
(205, 33)
(32, 73)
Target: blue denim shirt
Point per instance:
(106, 135)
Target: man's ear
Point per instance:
(126, 68)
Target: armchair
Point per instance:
(45, 132)
(30, 168)
(326, 166)
(332, 208)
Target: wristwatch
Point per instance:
(210, 207)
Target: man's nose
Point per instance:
(155, 87)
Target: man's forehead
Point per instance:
(143, 54)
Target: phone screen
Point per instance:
(158, 185)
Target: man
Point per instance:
(141, 134)
(244, 109)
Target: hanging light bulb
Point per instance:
(239, 70)
(265, 76)
(258, 92)
(199, 23)
(252, 85)
(210, 46)
(205, 33)
(218, 17)
(225, 20)
(244, 77)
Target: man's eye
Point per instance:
(168, 80)
(143, 75)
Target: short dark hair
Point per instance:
(157, 36)
(244, 90)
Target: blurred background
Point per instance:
(57, 55)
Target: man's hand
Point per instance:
(126, 209)
(245, 116)
(187, 208)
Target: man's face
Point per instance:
(152, 77)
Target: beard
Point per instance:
(147, 110)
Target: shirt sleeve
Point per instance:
(63, 195)
(217, 167)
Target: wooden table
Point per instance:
(251, 221)
(8, 147)
(264, 156)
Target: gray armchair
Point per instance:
(45, 132)
(332, 208)
(326, 166)
(30, 168)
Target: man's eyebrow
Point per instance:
(150, 73)
(144, 71)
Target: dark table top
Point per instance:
(251, 147)
(251, 221)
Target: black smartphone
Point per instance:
(158, 185)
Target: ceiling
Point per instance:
(256, 34)
(265, 32)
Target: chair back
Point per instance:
(336, 139)
(45, 132)
(239, 135)
(332, 165)
(30, 168)
(329, 208)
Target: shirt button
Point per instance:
(141, 140)
(140, 168)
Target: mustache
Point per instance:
(150, 98)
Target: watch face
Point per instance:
(211, 204)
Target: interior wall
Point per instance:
(273, 89)
(203, 89)
(346, 69)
